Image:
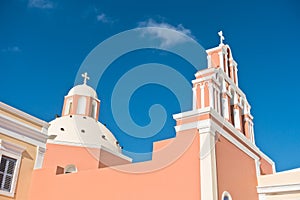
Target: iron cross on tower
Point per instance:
(220, 33)
(85, 77)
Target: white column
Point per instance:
(219, 102)
(236, 116)
(208, 171)
(225, 110)
(209, 64)
(252, 132)
(236, 112)
(257, 167)
(215, 99)
(236, 76)
(40, 152)
(221, 58)
(226, 64)
(194, 97)
(211, 95)
(202, 95)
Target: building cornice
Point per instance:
(22, 131)
(11, 147)
(278, 188)
(23, 115)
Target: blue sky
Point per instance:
(44, 42)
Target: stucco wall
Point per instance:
(236, 171)
(178, 180)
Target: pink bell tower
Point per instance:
(220, 90)
(221, 115)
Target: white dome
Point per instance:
(83, 90)
(82, 131)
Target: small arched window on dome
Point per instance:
(69, 105)
(81, 106)
(94, 109)
(70, 169)
(226, 196)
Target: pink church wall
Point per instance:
(265, 167)
(62, 155)
(236, 171)
(178, 180)
(83, 158)
(215, 60)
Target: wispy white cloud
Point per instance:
(14, 49)
(41, 4)
(167, 38)
(102, 17)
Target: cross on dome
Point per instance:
(220, 33)
(85, 77)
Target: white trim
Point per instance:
(24, 115)
(207, 78)
(20, 130)
(208, 169)
(225, 107)
(219, 101)
(221, 58)
(214, 49)
(195, 97)
(191, 113)
(18, 136)
(273, 167)
(209, 65)
(203, 72)
(226, 64)
(40, 153)
(215, 99)
(211, 95)
(186, 126)
(236, 75)
(278, 188)
(236, 116)
(11, 147)
(257, 167)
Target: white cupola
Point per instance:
(82, 100)
(79, 125)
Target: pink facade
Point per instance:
(213, 154)
(179, 180)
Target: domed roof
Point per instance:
(84, 131)
(83, 90)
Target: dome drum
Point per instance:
(81, 105)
